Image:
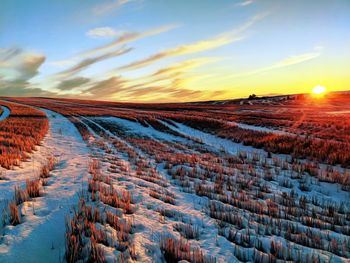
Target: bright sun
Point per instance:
(318, 90)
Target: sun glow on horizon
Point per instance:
(319, 90)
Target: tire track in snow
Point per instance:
(147, 220)
(188, 206)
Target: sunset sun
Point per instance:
(319, 90)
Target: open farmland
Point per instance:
(174, 131)
(264, 180)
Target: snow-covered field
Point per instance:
(164, 192)
(191, 207)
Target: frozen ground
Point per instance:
(151, 225)
(191, 207)
(259, 128)
(211, 140)
(112, 141)
(40, 238)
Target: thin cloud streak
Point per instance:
(128, 37)
(84, 64)
(102, 32)
(123, 39)
(71, 84)
(200, 46)
(84, 60)
(169, 73)
(109, 7)
(245, 3)
(7, 54)
(185, 65)
(165, 82)
(289, 61)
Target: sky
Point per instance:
(174, 50)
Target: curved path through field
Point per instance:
(40, 237)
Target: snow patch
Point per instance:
(5, 113)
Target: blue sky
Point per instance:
(143, 50)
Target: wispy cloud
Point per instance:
(63, 63)
(245, 3)
(200, 46)
(85, 63)
(127, 37)
(16, 64)
(102, 32)
(185, 65)
(22, 89)
(109, 6)
(71, 84)
(289, 61)
(292, 60)
(112, 49)
(166, 84)
(67, 80)
(122, 39)
(17, 68)
(169, 93)
(118, 88)
(7, 54)
(181, 50)
(168, 74)
(106, 88)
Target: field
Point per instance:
(259, 180)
